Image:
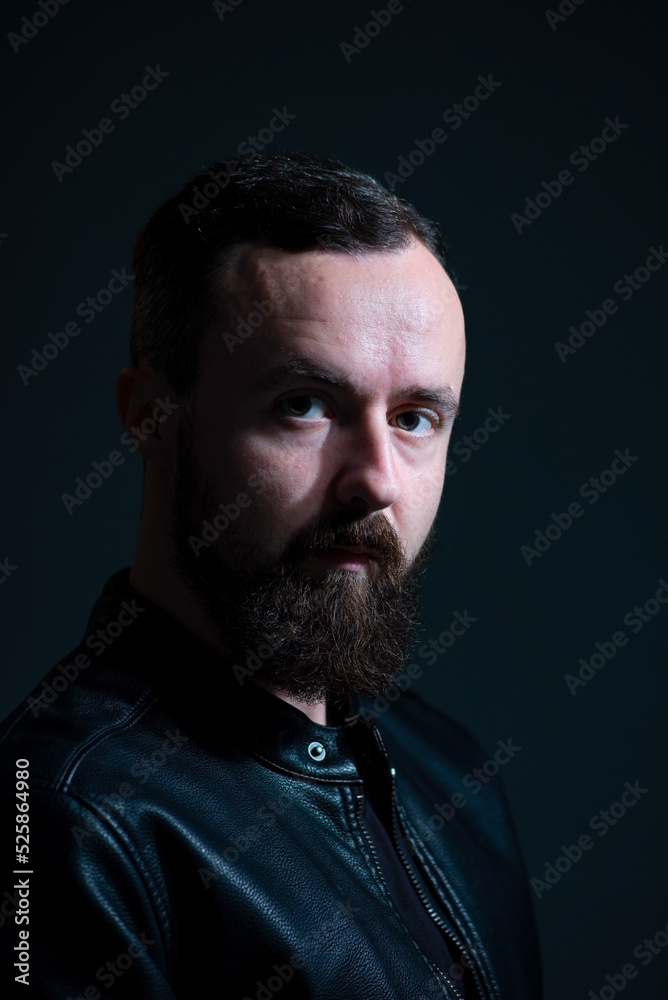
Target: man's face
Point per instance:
(332, 416)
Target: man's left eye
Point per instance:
(413, 421)
(304, 406)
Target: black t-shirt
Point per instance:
(422, 927)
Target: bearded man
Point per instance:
(220, 803)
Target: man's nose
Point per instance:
(368, 477)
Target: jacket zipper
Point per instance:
(374, 854)
(430, 910)
(396, 825)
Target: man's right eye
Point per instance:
(302, 406)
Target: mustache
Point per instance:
(348, 528)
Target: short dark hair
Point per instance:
(292, 201)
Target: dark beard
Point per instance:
(315, 639)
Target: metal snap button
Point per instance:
(317, 751)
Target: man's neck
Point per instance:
(174, 598)
(152, 574)
(315, 712)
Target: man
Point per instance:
(220, 805)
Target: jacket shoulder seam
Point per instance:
(124, 844)
(64, 779)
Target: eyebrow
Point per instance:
(294, 370)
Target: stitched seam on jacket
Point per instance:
(124, 843)
(150, 886)
(146, 700)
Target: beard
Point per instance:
(322, 637)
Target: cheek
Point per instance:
(425, 490)
(419, 520)
(415, 513)
(285, 488)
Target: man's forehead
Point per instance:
(317, 284)
(378, 321)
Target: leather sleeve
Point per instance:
(95, 921)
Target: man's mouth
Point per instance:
(350, 557)
(360, 550)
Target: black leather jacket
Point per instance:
(194, 837)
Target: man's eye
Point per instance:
(413, 421)
(304, 406)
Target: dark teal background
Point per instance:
(521, 291)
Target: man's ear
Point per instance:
(148, 410)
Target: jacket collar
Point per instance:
(202, 691)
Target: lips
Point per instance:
(350, 557)
(359, 550)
